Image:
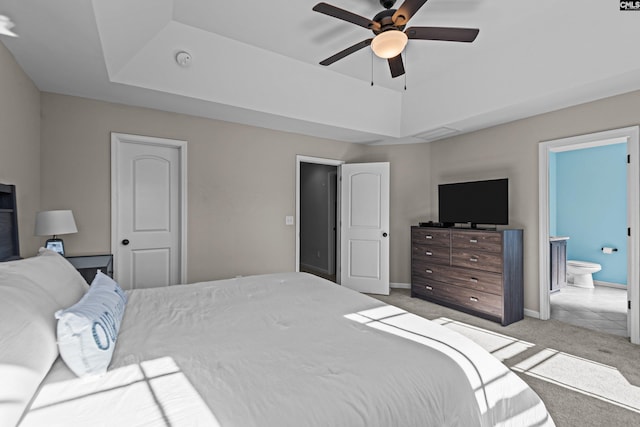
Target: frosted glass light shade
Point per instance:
(389, 44)
(53, 223)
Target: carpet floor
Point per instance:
(585, 377)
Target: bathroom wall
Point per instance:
(591, 207)
(553, 208)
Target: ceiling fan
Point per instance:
(390, 34)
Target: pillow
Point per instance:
(51, 272)
(88, 330)
(31, 291)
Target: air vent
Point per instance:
(437, 133)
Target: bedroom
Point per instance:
(58, 147)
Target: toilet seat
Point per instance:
(583, 264)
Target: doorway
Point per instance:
(588, 215)
(547, 227)
(318, 219)
(317, 234)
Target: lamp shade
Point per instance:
(389, 44)
(52, 223)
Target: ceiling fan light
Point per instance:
(389, 44)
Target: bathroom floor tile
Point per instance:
(602, 308)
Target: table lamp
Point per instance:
(54, 223)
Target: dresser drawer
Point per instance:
(431, 254)
(431, 236)
(425, 288)
(485, 261)
(478, 280)
(471, 299)
(429, 270)
(477, 240)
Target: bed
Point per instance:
(286, 349)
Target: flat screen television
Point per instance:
(476, 202)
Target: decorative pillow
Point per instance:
(31, 291)
(88, 330)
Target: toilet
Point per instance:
(581, 273)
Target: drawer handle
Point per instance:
(473, 259)
(429, 271)
(473, 280)
(428, 236)
(429, 253)
(429, 288)
(474, 299)
(473, 241)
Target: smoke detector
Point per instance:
(183, 59)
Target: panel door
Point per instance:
(364, 227)
(148, 233)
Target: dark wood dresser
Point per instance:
(475, 271)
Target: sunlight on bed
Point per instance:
(154, 392)
(495, 386)
(503, 347)
(582, 375)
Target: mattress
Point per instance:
(284, 350)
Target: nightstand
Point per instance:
(88, 265)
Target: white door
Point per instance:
(147, 211)
(364, 227)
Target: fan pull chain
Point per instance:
(405, 73)
(371, 67)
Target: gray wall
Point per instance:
(241, 181)
(20, 145)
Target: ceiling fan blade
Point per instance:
(443, 33)
(406, 11)
(396, 66)
(348, 51)
(345, 15)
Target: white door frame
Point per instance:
(320, 161)
(122, 138)
(632, 137)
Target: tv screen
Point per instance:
(477, 202)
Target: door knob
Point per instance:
(384, 234)
(125, 242)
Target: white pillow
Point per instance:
(52, 273)
(87, 331)
(31, 291)
(27, 345)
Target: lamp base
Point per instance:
(56, 245)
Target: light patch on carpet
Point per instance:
(582, 375)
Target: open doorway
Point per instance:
(588, 215)
(317, 209)
(630, 136)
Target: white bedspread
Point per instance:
(284, 350)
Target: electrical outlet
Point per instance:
(288, 220)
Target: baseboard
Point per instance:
(609, 284)
(532, 313)
(400, 285)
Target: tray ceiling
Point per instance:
(256, 62)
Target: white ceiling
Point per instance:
(256, 62)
